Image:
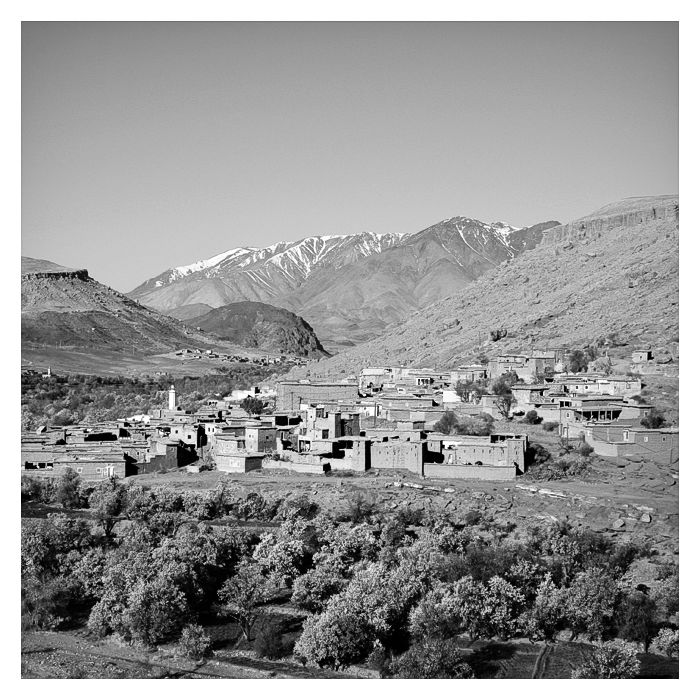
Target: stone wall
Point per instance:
(469, 471)
(397, 455)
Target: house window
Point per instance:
(79, 470)
(99, 470)
(626, 435)
(324, 435)
(646, 438)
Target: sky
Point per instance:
(151, 145)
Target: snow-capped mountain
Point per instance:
(348, 287)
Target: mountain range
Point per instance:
(349, 288)
(611, 276)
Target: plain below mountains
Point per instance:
(609, 276)
(253, 324)
(349, 288)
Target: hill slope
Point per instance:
(348, 287)
(614, 271)
(66, 307)
(261, 326)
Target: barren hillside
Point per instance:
(612, 272)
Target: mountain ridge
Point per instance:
(348, 287)
(611, 275)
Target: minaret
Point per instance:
(171, 398)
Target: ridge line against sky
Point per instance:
(148, 146)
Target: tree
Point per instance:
(108, 500)
(609, 660)
(437, 616)
(531, 418)
(312, 590)
(68, 491)
(638, 619)
(654, 419)
(546, 616)
(602, 364)
(666, 642)
(431, 658)
(447, 423)
(591, 602)
(577, 361)
(502, 388)
(252, 406)
(466, 390)
(241, 595)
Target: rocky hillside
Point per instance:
(612, 272)
(348, 287)
(67, 308)
(261, 326)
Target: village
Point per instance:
(384, 418)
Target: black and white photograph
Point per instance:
(349, 350)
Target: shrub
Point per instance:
(194, 642)
(531, 418)
(38, 489)
(358, 508)
(654, 419)
(48, 605)
(550, 426)
(609, 660)
(561, 468)
(269, 641)
(585, 450)
(431, 658)
(666, 642)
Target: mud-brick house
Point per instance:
(191, 434)
(491, 457)
(468, 373)
(574, 411)
(93, 467)
(229, 457)
(292, 395)
(642, 356)
(610, 440)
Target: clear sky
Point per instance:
(150, 145)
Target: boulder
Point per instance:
(634, 458)
(619, 524)
(645, 518)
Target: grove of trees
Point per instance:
(390, 588)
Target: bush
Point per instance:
(431, 658)
(194, 642)
(38, 489)
(550, 426)
(269, 641)
(561, 468)
(666, 642)
(609, 660)
(531, 418)
(654, 419)
(585, 450)
(48, 605)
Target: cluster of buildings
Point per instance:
(382, 419)
(199, 354)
